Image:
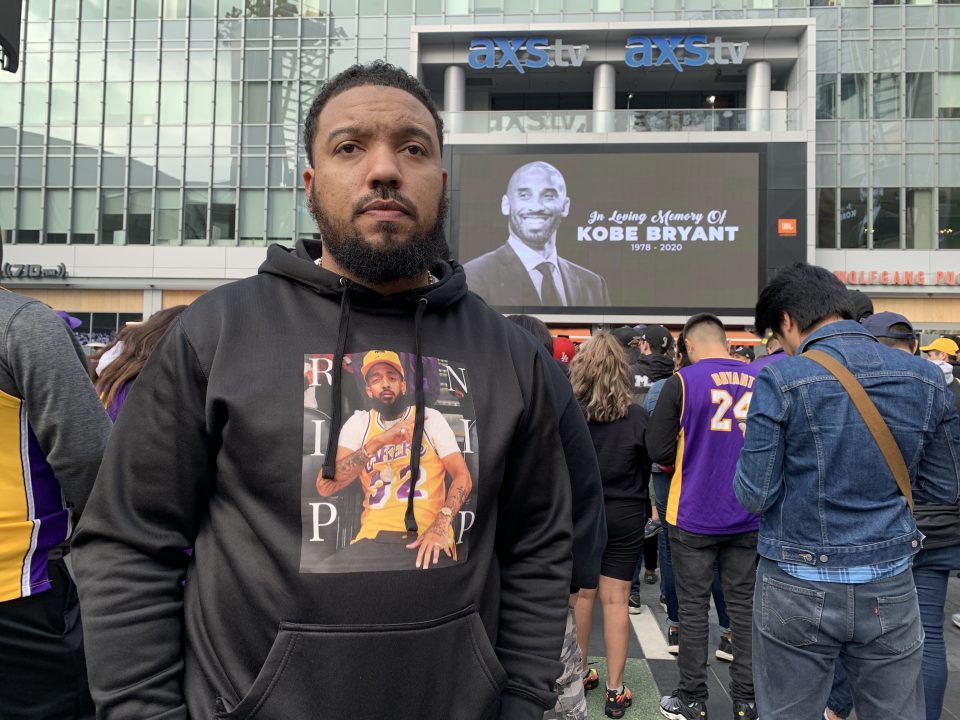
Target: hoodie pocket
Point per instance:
(443, 668)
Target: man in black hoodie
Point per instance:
(208, 454)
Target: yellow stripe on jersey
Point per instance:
(16, 529)
(673, 498)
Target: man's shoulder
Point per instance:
(11, 303)
(579, 270)
(489, 260)
(33, 316)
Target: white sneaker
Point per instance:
(956, 619)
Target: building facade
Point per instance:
(150, 149)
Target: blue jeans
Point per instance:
(668, 588)
(801, 628)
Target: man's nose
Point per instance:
(383, 167)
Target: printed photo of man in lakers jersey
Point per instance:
(373, 469)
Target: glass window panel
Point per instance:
(225, 170)
(89, 103)
(195, 215)
(62, 103)
(66, 9)
(284, 106)
(38, 10)
(31, 170)
(169, 171)
(200, 103)
(251, 215)
(85, 171)
(64, 67)
(314, 8)
(203, 8)
(146, 32)
(253, 171)
(91, 32)
(886, 95)
(854, 56)
(255, 103)
(853, 96)
(6, 209)
(228, 103)
(826, 217)
(280, 215)
(91, 67)
(117, 104)
(281, 172)
(57, 211)
(919, 95)
(58, 172)
(111, 217)
(919, 224)
(30, 216)
(920, 55)
(36, 67)
(145, 66)
(202, 65)
(886, 55)
(285, 64)
(35, 104)
(949, 95)
(120, 9)
(949, 170)
(921, 170)
(9, 104)
(172, 102)
(853, 169)
(114, 170)
(118, 66)
(885, 217)
(256, 65)
(168, 217)
(223, 216)
(84, 211)
(145, 103)
(148, 9)
(172, 65)
(139, 207)
(949, 231)
(197, 171)
(175, 9)
(119, 33)
(8, 167)
(854, 225)
(141, 171)
(826, 96)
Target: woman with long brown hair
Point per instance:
(602, 384)
(138, 342)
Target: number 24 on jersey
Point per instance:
(721, 422)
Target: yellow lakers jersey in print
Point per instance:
(386, 479)
(33, 516)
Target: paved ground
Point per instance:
(651, 671)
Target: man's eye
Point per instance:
(347, 148)
(414, 150)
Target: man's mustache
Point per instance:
(385, 193)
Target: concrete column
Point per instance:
(604, 97)
(454, 95)
(152, 302)
(758, 95)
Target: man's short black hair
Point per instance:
(805, 292)
(705, 319)
(378, 73)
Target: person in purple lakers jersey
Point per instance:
(696, 427)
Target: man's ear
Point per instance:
(505, 205)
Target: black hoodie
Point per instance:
(646, 371)
(298, 605)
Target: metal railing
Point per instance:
(607, 121)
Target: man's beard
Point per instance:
(389, 411)
(393, 258)
(537, 239)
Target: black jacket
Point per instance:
(287, 612)
(646, 371)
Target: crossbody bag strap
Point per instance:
(871, 416)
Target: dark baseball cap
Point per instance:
(879, 326)
(660, 339)
(745, 350)
(624, 335)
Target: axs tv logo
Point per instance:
(682, 51)
(523, 52)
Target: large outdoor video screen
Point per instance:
(637, 229)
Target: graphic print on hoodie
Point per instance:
(359, 524)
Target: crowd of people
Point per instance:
(347, 487)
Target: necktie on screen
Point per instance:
(549, 296)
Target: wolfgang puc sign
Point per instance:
(642, 51)
(682, 51)
(520, 53)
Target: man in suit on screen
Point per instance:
(526, 269)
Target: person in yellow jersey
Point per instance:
(374, 445)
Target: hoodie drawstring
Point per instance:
(409, 519)
(330, 459)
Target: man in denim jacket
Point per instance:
(836, 536)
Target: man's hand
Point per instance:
(435, 539)
(399, 433)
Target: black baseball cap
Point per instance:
(879, 326)
(660, 339)
(745, 350)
